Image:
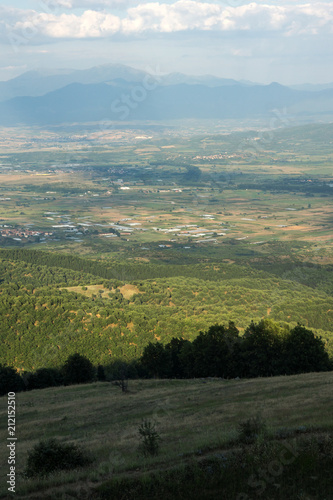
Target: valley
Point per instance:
(114, 243)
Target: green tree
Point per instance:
(174, 347)
(78, 370)
(216, 352)
(304, 352)
(192, 173)
(44, 377)
(10, 380)
(261, 349)
(101, 373)
(156, 360)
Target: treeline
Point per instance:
(59, 187)
(58, 260)
(43, 320)
(76, 370)
(21, 273)
(266, 349)
(310, 187)
(125, 271)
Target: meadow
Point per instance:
(196, 419)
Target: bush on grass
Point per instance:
(51, 455)
(150, 439)
(251, 429)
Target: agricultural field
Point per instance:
(162, 193)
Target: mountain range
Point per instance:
(120, 93)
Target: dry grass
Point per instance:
(91, 290)
(189, 415)
(127, 291)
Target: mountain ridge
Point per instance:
(119, 101)
(118, 93)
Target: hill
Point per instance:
(121, 100)
(58, 308)
(198, 422)
(41, 81)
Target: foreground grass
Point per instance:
(197, 421)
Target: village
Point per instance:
(19, 234)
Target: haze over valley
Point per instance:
(166, 263)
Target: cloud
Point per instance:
(90, 24)
(91, 4)
(180, 16)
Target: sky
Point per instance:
(286, 41)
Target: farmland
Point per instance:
(180, 193)
(117, 239)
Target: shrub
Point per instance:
(251, 429)
(149, 438)
(52, 455)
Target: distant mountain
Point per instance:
(312, 87)
(126, 101)
(208, 80)
(41, 81)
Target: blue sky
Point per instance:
(289, 41)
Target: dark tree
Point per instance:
(216, 351)
(78, 370)
(186, 359)
(44, 377)
(304, 352)
(174, 347)
(121, 376)
(10, 380)
(261, 348)
(156, 360)
(101, 373)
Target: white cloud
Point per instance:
(91, 4)
(182, 15)
(90, 24)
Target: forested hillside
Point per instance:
(52, 306)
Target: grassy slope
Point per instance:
(193, 417)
